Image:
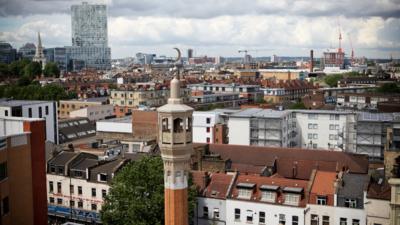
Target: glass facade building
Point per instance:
(89, 37)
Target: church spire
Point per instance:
(39, 54)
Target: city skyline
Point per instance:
(286, 28)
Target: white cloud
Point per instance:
(222, 27)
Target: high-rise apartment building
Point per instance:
(89, 37)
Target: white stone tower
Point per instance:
(175, 141)
(39, 55)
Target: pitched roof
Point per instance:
(218, 186)
(288, 158)
(324, 183)
(288, 185)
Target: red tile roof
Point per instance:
(281, 182)
(287, 159)
(324, 183)
(218, 186)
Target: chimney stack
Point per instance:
(311, 61)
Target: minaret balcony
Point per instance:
(177, 138)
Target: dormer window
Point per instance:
(292, 195)
(102, 177)
(268, 193)
(321, 200)
(350, 203)
(245, 190)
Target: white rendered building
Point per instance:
(33, 109)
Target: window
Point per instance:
(321, 200)
(331, 126)
(216, 213)
(71, 189)
(332, 117)
(40, 112)
(331, 137)
(315, 136)
(5, 203)
(208, 130)
(350, 203)
(261, 217)
(208, 120)
(356, 222)
(292, 199)
(325, 220)
(79, 190)
(93, 192)
(313, 116)
(314, 219)
(249, 216)
(337, 117)
(295, 220)
(244, 193)
(205, 211)
(237, 214)
(208, 140)
(59, 201)
(343, 221)
(80, 204)
(51, 200)
(72, 203)
(282, 219)
(30, 112)
(310, 136)
(59, 187)
(315, 126)
(310, 126)
(94, 207)
(315, 145)
(51, 188)
(268, 196)
(46, 110)
(3, 171)
(6, 113)
(103, 193)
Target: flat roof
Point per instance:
(256, 112)
(12, 103)
(125, 119)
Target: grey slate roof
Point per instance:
(62, 158)
(353, 185)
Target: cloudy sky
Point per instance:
(217, 27)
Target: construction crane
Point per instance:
(352, 49)
(251, 50)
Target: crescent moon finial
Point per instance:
(179, 55)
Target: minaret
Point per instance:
(175, 141)
(39, 55)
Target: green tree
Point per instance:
(332, 80)
(298, 105)
(4, 71)
(137, 194)
(17, 67)
(51, 70)
(388, 88)
(33, 69)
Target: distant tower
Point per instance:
(189, 53)
(39, 55)
(175, 141)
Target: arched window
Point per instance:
(189, 124)
(165, 125)
(178, 125)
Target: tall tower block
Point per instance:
(175, 141)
